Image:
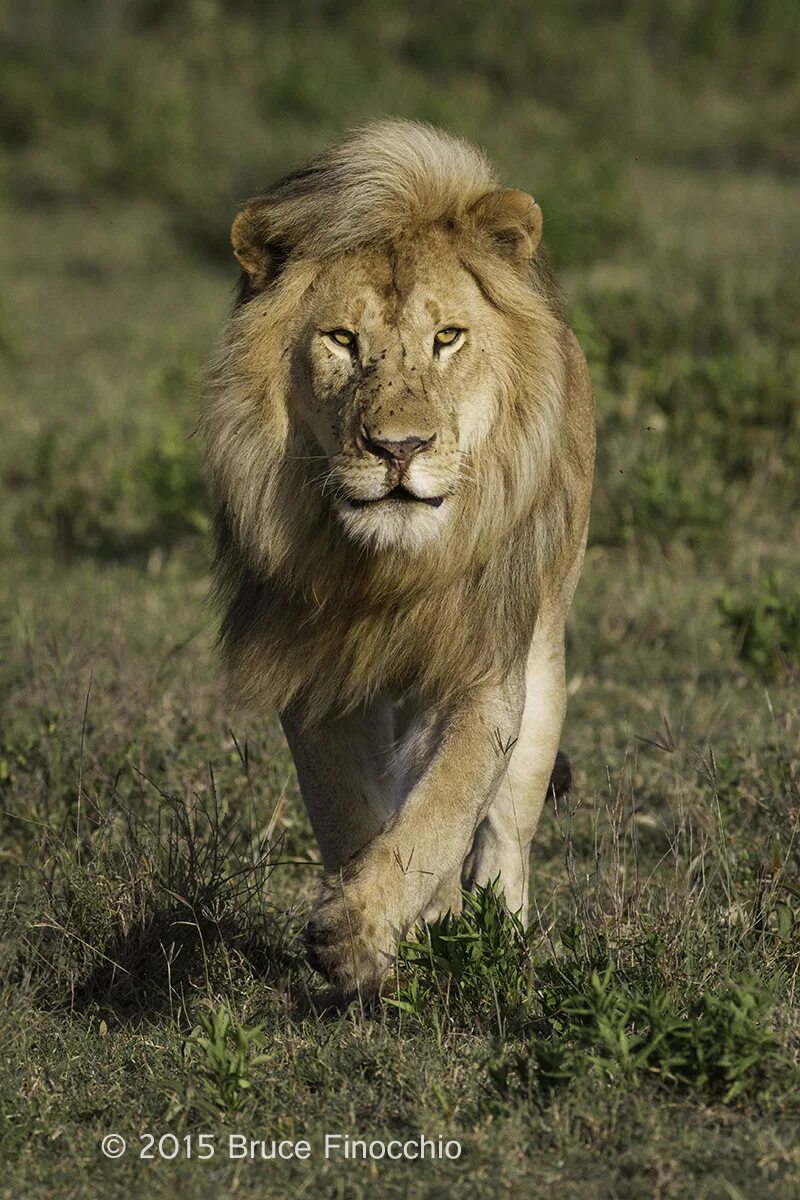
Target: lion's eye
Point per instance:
(448, 339)
(341, 337)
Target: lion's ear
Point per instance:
(259, 255)
(513, 219)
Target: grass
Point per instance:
(642, 1037)
(766, 625)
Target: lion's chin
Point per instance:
(394, 523)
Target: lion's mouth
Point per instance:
(399, 493)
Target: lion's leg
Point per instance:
(447, 898)
(501, 849)
(341, 768)
(364, 908)
(417, 736)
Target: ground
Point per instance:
(642, 1038)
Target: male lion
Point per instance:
(400, 437)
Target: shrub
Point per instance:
(720, 1044)
(587, 1009)
(765, 624)
(88, 498)
(475, 966)
(222, 1052)
(662, 502)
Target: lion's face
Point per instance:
(392, 384)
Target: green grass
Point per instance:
(642, 1037)
(766, 625)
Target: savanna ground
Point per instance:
(642, 1038)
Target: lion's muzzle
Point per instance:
(398, 457)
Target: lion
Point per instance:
(399, 433)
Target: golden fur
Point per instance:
(315, 620)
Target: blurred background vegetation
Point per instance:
(648, 131)
(663, 141)
(197, 103)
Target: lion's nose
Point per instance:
(400, 451)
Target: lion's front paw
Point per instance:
(349, 942)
